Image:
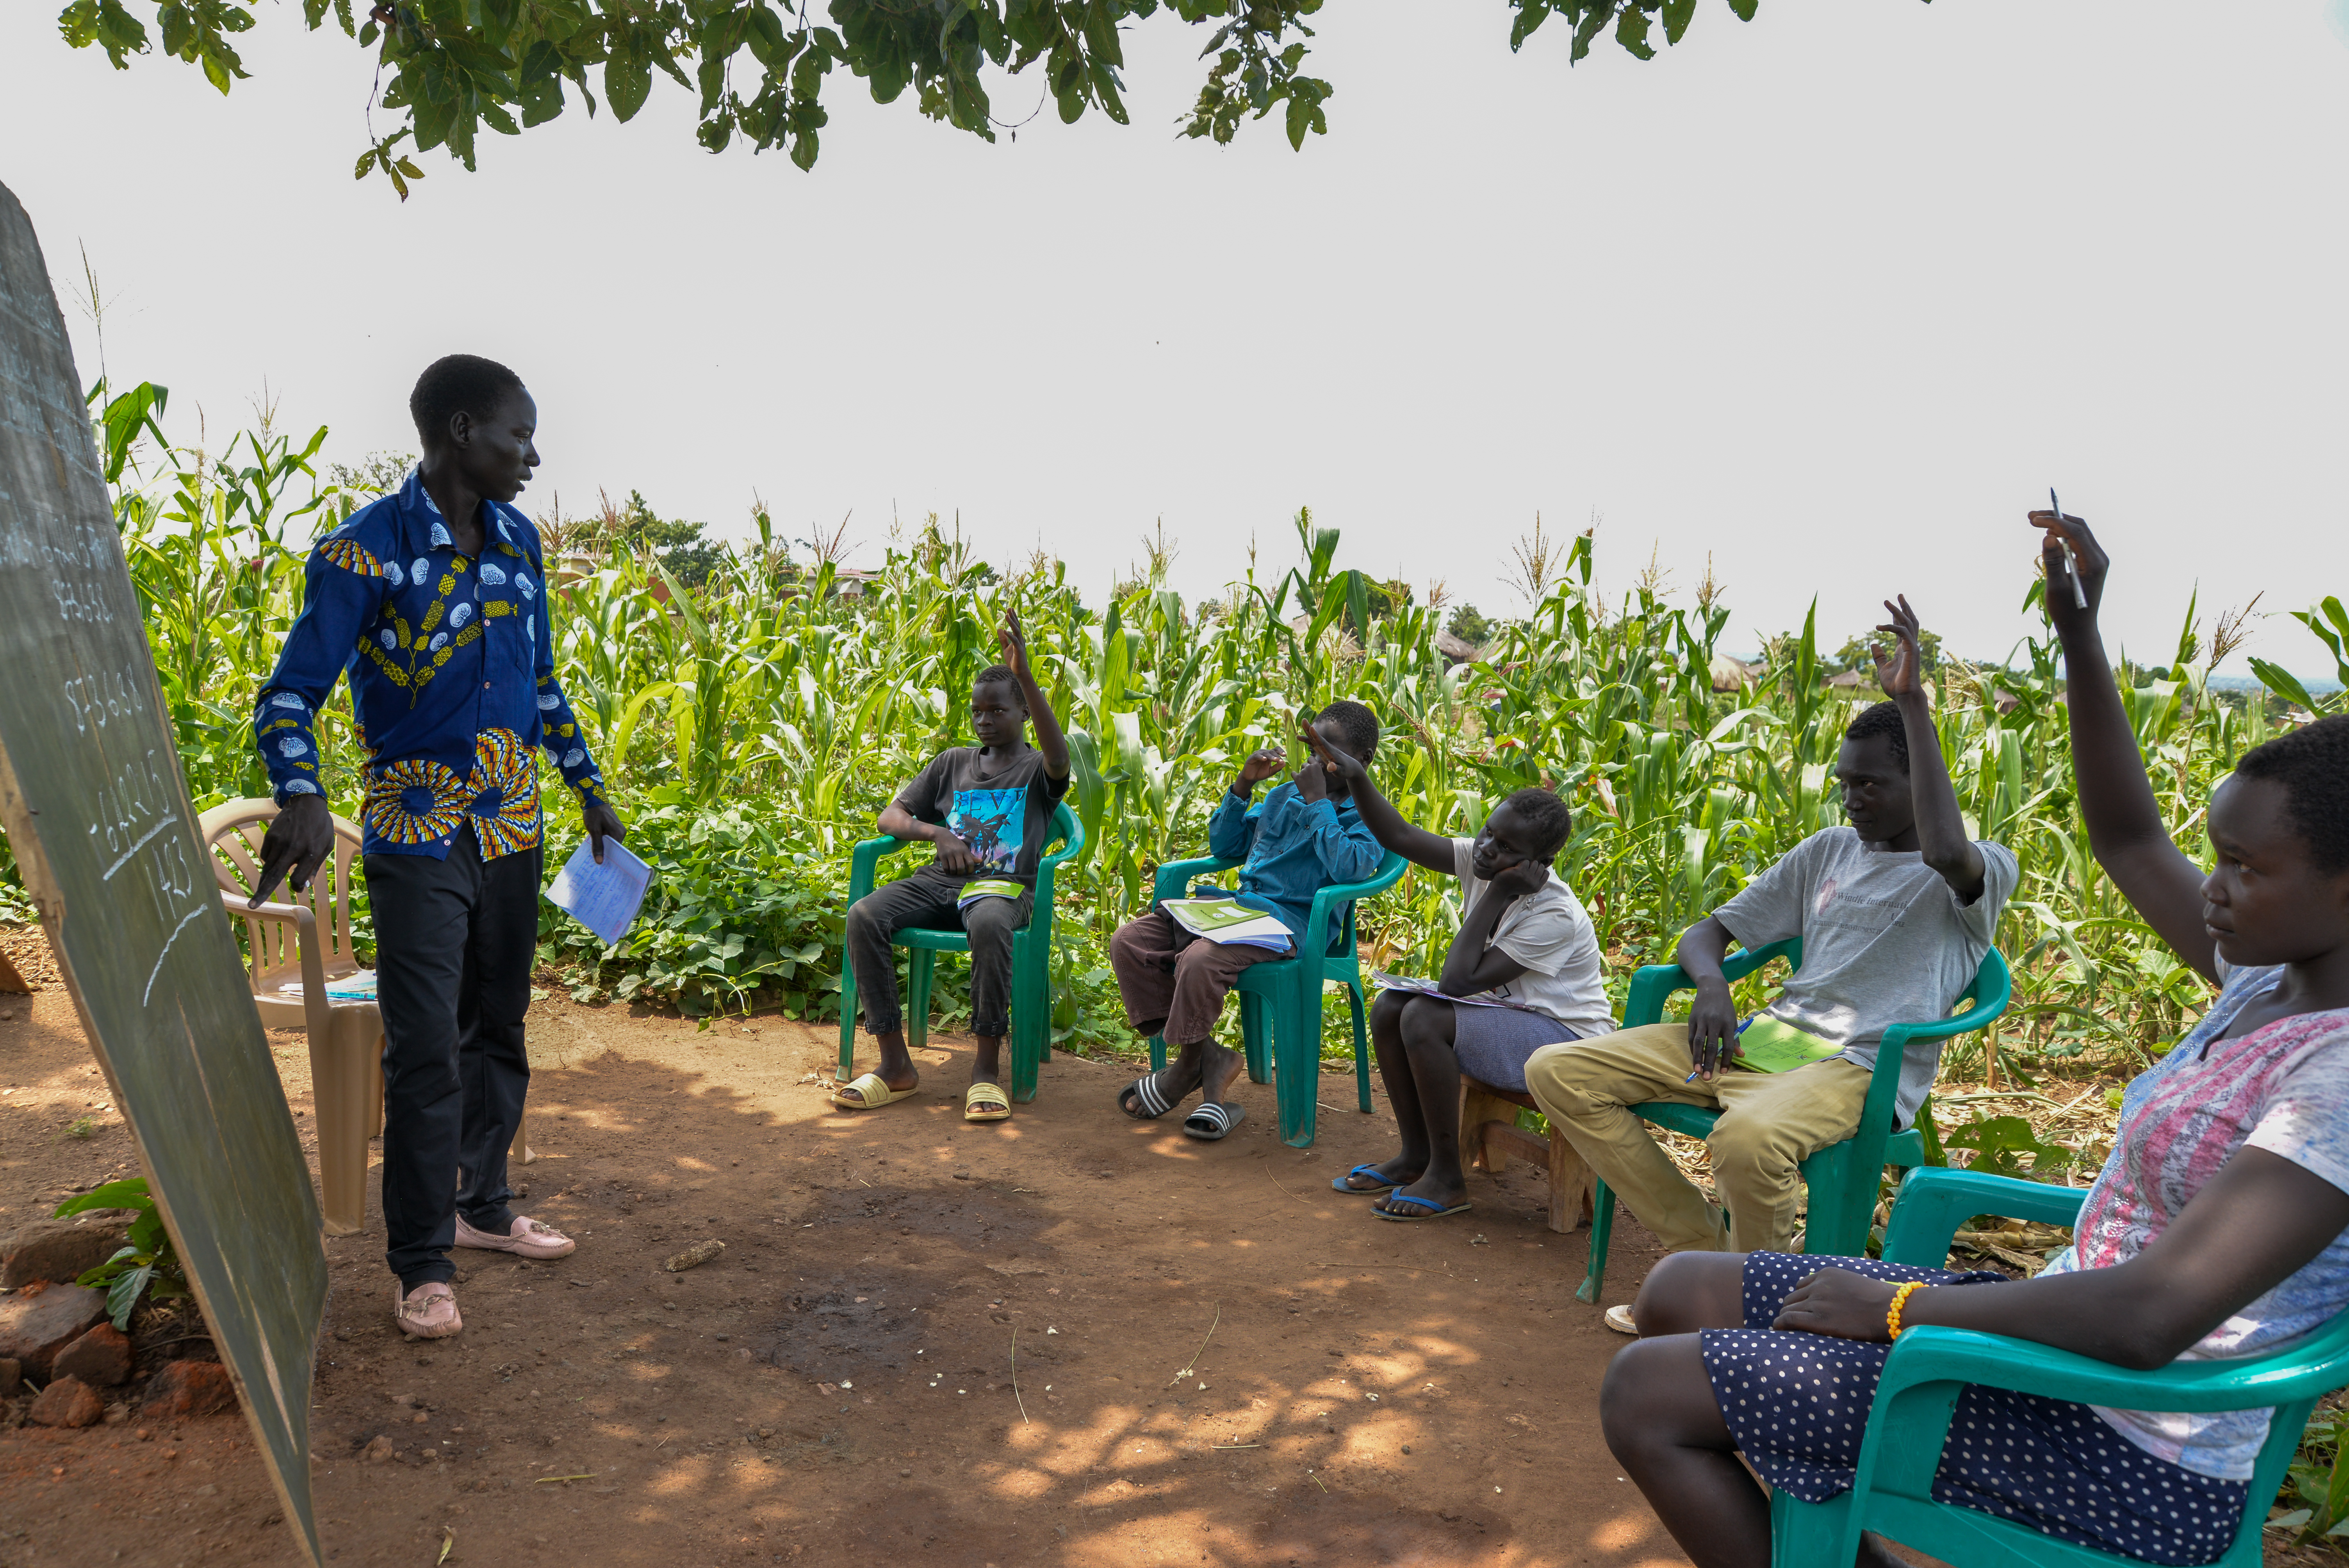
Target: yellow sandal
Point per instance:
(872, 1093)
(986, 1102)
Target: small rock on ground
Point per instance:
(67, 1402)
(100, 1357)
(190, 1388)
(58, 1249)
(36, 1325)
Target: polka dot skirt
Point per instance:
(1798, 1403)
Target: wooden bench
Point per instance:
(1489, 1135)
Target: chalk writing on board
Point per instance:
(73, 563)
(129, 805)
(134, 821)
(98, 698)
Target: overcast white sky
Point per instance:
(1833, 296)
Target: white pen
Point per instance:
(2071, 562)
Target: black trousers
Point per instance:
(929, 903)
(454, 942)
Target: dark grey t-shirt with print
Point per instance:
(1002, 811)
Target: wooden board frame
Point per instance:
(94, 804)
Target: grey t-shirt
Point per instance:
(1003, 810)
(1884, 941)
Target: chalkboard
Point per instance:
(95, 809)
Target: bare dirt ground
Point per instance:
(841, 1381)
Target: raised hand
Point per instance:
(2093, 563)
(1344, 764)
(1012, 639)
(1260, 767)
(1320, 762)
(1901, 669)
(299, 839)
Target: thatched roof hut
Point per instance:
(1731, 675)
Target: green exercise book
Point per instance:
(1766, 1044)
(991, 888)
(1228, 921)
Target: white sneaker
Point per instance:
(1619, 1318)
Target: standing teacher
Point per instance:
(433, 598)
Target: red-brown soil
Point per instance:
(841, 1381)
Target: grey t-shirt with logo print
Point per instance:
(1885, 940)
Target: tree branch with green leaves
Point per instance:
(447, 67)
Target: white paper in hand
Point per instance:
(602, 898)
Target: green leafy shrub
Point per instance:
(146, 1266)
(1999, 1144)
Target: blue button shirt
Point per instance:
(451, 662)
(1291, 849)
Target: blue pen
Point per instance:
(1741, 1028)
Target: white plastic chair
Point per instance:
(296, 949)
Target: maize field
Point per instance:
(752, 728)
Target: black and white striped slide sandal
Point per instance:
(1140, 1100)
(1212, 1120)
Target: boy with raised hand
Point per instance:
(1305, 837)
(988, 809)
(1895, 911)
(430, 596)
(1525, 965)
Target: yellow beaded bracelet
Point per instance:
(1899, 1299)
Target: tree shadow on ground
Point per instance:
(842, 1380)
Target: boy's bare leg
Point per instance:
(1209, 1065)
(1426, 1031)
(1402, 1094)
(986, 1065)
(896, 1068)
(1142, 953)
(1205, 973)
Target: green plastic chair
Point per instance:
(1892, 1491)
(1032, 961)
(1292, 987)
(1842, 1178)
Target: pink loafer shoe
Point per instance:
(528, 1239)
(428, 1312)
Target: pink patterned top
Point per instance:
(2283, 1089)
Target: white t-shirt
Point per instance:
(1550, 933)
(1884, 941)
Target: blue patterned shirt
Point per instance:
(451, 661)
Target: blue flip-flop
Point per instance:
(1339, 1182)
(1435, 1210)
